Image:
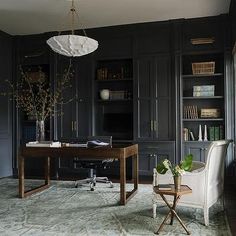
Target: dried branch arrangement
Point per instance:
(33, 93)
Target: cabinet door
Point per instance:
(83, 79)
(198, 150)
(151, 153)
(147, 161)
(162, 98)
(66, 112)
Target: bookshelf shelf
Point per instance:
(209, 91)
(113, 80)
(203, 76)
(114, 100)
(205, 97)
(200, 120)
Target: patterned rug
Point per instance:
(65, 210)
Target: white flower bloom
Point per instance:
(166, 164)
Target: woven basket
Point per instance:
(202, 68)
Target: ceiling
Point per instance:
(19, 17)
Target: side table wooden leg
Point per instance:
(162, 224)
(173, 207)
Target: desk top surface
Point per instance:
(116, 151)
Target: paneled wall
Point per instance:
(6, 123)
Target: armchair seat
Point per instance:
(206, 180)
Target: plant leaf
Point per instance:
(186, 164)
(161, 169)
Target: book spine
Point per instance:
(211, 134)
(221, 132)
(217, 132)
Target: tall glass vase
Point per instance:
(40, 130)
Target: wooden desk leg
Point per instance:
(122, 181)
(47, 170)
(135, 171)
(21, 176)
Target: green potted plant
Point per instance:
(176, 170)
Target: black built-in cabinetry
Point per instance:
(149, 65)
(114, 112)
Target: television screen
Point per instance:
(118, 124)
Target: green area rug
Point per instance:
(65, 210)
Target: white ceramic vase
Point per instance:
(104, 94)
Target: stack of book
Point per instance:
(216, 133)
(164, 186)
(204, 91)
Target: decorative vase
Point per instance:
(40, 130)
(177, 182)
(104, 94)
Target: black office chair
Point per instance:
(92, 165)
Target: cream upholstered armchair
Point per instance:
(206, 180)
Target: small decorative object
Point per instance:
(200, 133)
(199, 41)
(205, 133)
(177, 182)
(176, 170)
(104, 94)
(203, 68)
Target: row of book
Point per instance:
(211, 133)
(105, 73)
(190, 112)
(216, 133)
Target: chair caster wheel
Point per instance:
(76, 185)
(111, 185)
(91, 189)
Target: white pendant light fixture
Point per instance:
(72, 45)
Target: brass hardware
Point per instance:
(199, 41)
(34, 55)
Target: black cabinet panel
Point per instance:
(202, 28)
(32, 49)
(197, 149)
(153, 102)
(152, 38)
(150, 154)
(145, 124)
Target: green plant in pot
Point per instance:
(176, 170)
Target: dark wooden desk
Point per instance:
(117, 151)
(184, 189)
